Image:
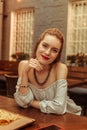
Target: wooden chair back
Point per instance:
(77, 72)
(77, 76)
(11, 66)
(11, 81)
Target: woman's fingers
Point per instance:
(35, 64)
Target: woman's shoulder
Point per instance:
(23, 62)
(21, 66)
(61, 70)
(61, 65)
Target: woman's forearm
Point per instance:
(24, 88)
(24, 81)
(35, 104)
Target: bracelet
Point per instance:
(24, 86)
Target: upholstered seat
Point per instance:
(79, 95)
(2, 85)
(11, 81)
(77, 88)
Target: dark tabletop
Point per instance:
(66, 121)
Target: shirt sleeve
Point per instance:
(59, 103)
(22, 99)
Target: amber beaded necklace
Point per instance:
(42, 83)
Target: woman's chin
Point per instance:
(42, 62)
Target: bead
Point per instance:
(24, 86)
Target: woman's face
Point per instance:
(48, 49)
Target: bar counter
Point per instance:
(66, 121)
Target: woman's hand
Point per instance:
(34, 63)
(24, 68)
(23, 89)
(35, 104)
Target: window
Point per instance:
(22, 29)
(77, 27)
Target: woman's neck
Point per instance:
(46, 67)
(45, 71)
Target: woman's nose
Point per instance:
(48, 51)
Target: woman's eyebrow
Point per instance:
(56, 48)
(45, 43)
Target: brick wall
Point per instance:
(48, 13)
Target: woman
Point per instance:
(42, 81)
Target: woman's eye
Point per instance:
(44, 45)
(55, 51)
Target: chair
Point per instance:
(11, 81)
(79, 95)
(77, 90)
(2, 85)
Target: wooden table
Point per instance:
(67, 121)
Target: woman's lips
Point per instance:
(45, 57)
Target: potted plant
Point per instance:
(20, 56)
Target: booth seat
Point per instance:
(77, 90)
(7, 67)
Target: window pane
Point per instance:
(77, 30)
(22, 23)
